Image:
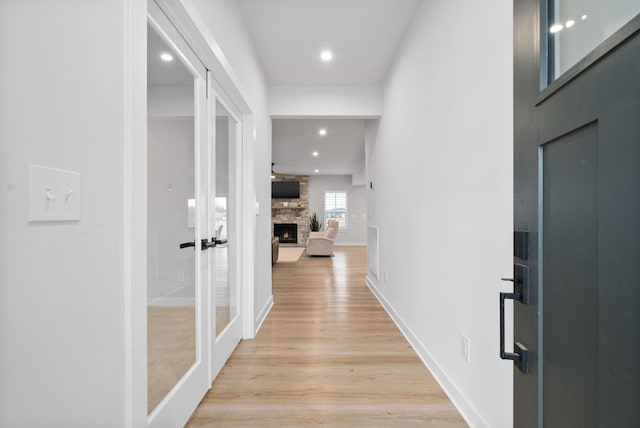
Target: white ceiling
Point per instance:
(364, 36)
(340, 152)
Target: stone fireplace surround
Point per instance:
(293, 211)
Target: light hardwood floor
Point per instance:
(327, 354)
(171, 348)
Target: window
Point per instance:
(335, 208)
(576, 27)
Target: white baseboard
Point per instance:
(263, 313)
(466, 409)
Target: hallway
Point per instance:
(328, 354)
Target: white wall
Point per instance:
(356, 203)
(65, 88)
(359, 176)
(441, 167)
(285, 101)
(170, 101)
(226, 23)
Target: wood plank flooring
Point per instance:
(171, 348)
(327, 354)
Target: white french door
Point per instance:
(224, 220)
(193, 209)
(177, 274)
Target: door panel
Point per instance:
(225, 303)
(226, 322)
(576, 157)
(619, 269)
(171, 261)
(570, 337)
(177, 339)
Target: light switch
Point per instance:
(54, 194)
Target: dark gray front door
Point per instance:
(577, 195)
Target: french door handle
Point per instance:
(506, 355)
(520, 294)
(204, 244)
(521, 354)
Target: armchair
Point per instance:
(321, 243)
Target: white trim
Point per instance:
(466, 409)
(211, 297)
(349, 244)
(247, 236)
(217, 91)
(263, 314)
(166, 400)
(185, 16)
(176, 42)
(127, 184)
(134, 226)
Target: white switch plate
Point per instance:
(54, 194)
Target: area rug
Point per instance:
(289, 254)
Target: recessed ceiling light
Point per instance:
(322, 132)
(166, 57)
(317, 171)
(315, 153)
(570, 23)
(555, 28)
(584, 17)
(326, 55)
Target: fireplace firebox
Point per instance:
(287, 232)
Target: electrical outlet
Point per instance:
(465, 348)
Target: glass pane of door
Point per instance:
(225, 284)
(576, 27)
(171, 203)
